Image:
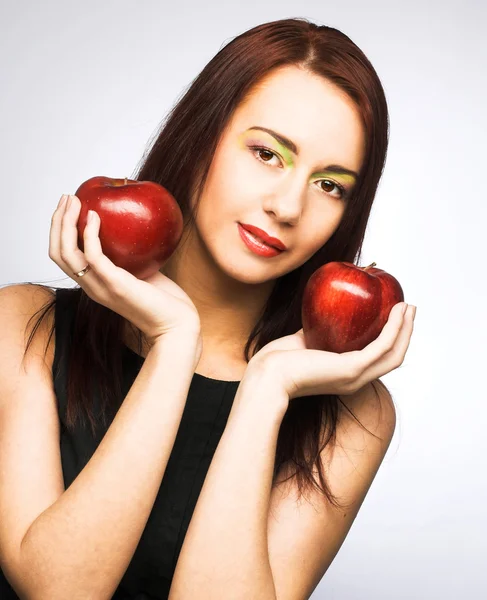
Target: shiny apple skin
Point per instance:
(345, 307)
(141, 223)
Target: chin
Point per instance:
(242, 270)
(232, 259)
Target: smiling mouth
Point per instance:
(256, 245)
(261, 241)
(256, 237)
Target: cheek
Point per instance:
(239, 172)
(227, 182)
(317, 232)
(312, 244)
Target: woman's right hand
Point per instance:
(156, 305)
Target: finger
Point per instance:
(55, 232)
(384, 343)
(73, 259)
(114, 278)
(72, 256)
(393, 359)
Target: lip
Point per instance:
(255, 245)
(267, 239)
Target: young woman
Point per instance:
(202, 474)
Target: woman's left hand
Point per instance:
(304, 372)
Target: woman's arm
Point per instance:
(81, 545)
(225, 552)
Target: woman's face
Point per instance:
(293, 195)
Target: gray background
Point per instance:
(84, 88)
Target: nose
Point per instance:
(287, 201)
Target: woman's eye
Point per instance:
(340, 188)
(260, 150)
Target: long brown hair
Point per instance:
(180, 159)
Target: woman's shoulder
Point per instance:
(24, 303)
(28, 292)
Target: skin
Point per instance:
(228, 284)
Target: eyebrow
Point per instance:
(338, 169)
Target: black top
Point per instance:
(208, 405)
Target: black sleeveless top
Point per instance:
(209, 401)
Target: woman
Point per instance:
(209, 418)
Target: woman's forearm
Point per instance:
(81, 545)
(225, 552)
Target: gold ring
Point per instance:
(83, 272)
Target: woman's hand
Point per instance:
(303, 372)
(156, 305)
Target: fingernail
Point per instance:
(405, 308)
(62, 200)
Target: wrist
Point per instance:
(185, 342)
(259, 386)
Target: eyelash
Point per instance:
(255, 149)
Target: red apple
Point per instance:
(140, 222)
(345, 307)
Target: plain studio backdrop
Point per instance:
(84, 88)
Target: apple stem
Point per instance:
(125, 181)
(371, 265)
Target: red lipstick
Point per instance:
(255, 245)
(267, 239)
